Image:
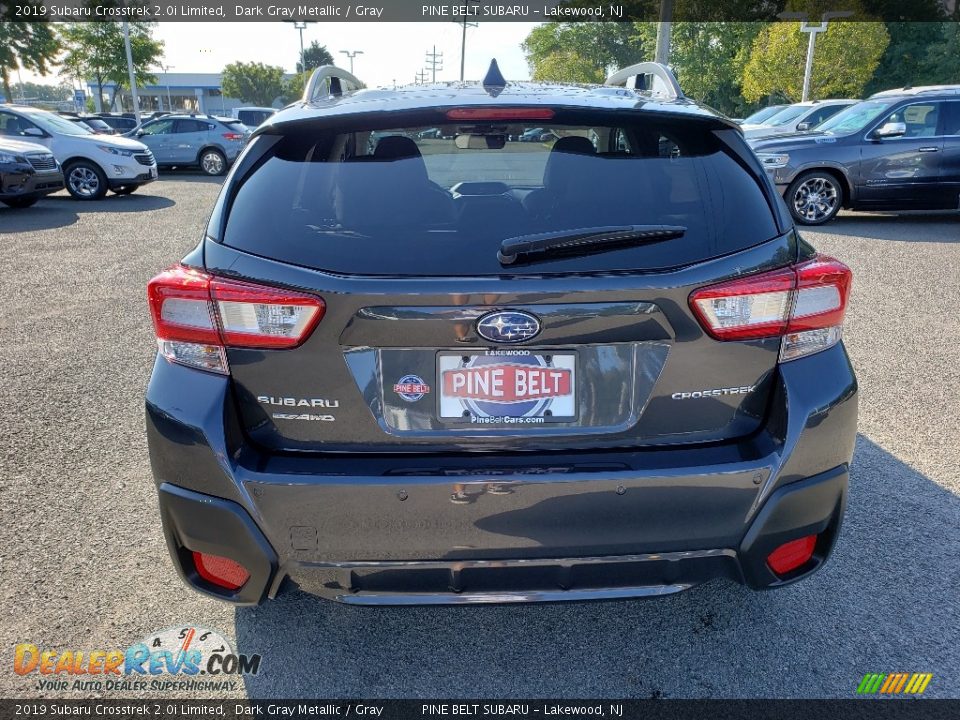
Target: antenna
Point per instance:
(494, 79)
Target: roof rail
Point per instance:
(327, 81)
(651, 77)
(919, 90)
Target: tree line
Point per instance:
(737, 67)
(94, 53)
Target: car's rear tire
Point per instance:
(85, 180)
(213, 162)
(20, 202)
(124, 189)
(814, 198)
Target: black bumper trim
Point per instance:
(811, 506)
(194, 521)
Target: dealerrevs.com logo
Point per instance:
(178, 658)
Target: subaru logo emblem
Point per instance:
(508, 326)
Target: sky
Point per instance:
(391, 51)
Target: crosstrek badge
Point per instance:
(507, 383)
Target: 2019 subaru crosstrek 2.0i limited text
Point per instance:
(405, 367)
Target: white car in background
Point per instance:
(92, 164)
(252, 116)
(798, 117)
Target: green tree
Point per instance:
(315, 55)
(254, 83)
(46, 93)
(708, 59)
(293, 88)
(919, 53)
(96, 52)
(846, 56)
(581, 51)
(30, 45)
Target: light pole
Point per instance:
(133, 77)
(814, 29)
(166, 71)
(351, 54)
(301, 25)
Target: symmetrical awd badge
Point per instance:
(508, 326)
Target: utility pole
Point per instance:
(130, 72)
(664, 28)
(421, 77)
(463, 39)
(434, 62)
(351, 54)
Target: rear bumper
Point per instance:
(195, 522)
(517, 527)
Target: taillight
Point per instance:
(220, 571)
(804, 304)
(196, 316)
(233, 136)
(792, 555)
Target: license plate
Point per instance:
(519, 387)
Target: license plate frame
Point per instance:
(542, 410)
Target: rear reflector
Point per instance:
(483, 113)
(195, 316)
(220, 571)
(792, 555)
(804, 304)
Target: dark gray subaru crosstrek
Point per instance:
(416, 367)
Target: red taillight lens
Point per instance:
(233, 136)
(220, 571)
(792, 555)
(196, 315)
(504, 113)
(804, 304)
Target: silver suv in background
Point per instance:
(798, 117)
(209, 142)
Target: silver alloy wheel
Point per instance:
(816, 199)
(84, 181)
(212, 162)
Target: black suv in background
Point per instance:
(27, 172)
(897, 150)
(451, 367)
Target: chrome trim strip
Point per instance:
(451, 598)
(519, 562)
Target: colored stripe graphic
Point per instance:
(894, 683)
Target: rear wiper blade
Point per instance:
(584, 240)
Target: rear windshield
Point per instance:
(440, 199)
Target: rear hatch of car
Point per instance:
(465, 291)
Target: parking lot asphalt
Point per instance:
(85, 567)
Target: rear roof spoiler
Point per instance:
(328, 81)
(651, 77)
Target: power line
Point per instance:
(434, 62)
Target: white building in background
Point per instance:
(195, 92)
